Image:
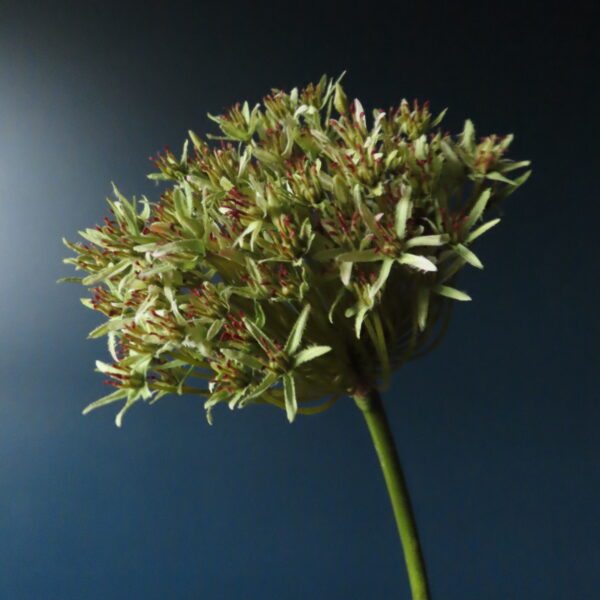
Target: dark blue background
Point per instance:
(497, 429)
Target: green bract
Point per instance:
(302, 260)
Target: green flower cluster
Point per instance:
(301, 260)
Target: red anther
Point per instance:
(343, 223)
(237, 202)
(362, 114)
(97, 228)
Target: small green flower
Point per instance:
(302, 259)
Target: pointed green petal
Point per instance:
(109, 399)
(480, 230)
(468, 255)
(359, 256)
(291, 402)
(478, 208)
(310, 354)
(403, 210)
(450, 292)
(295, 336)
(259, 335)
(417, 262)
(384, 272)
(495, 176)
(345, 272)
(360, 317)
(427, 240)
(422, 307)
(263, 386)
(338, 297)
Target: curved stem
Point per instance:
(373, 411)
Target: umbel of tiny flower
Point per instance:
(301, 259)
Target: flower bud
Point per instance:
(340, 100)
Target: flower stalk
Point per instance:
(372, 408)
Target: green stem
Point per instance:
(373, 411)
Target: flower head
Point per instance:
(302, 258)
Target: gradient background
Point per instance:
(497, 429)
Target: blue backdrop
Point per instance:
(497, 429)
